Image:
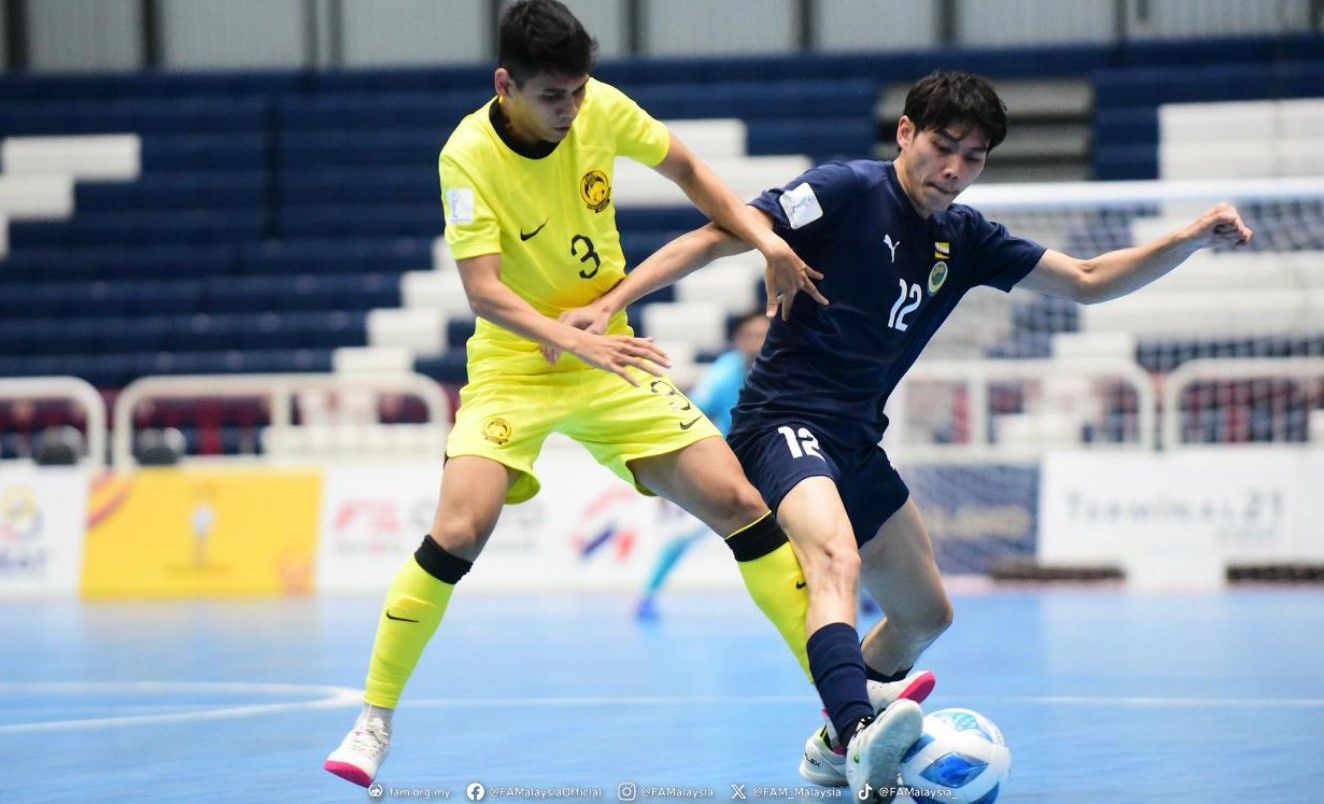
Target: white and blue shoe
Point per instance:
(824, 762)
(873, 757)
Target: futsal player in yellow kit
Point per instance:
(527, 194)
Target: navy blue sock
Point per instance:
(837, 666)
(874, 675)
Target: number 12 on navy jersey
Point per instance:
(897, 319)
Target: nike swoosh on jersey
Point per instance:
(687, 425)
(523, 236)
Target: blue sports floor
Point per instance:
(1103, 696)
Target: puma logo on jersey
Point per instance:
(887, 241)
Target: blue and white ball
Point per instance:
(961, 758)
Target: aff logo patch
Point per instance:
(801, 206)
(461, 203)
(595, 189)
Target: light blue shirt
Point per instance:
(719, 388)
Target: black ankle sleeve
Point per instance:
(440, 564)
(757, 540)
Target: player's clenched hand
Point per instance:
(787, 275)
(1221, 225)
(618, 353)
(594, 318)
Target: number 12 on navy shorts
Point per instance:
(778, 455)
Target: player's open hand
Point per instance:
(787, 275)
(619, 353)
(1221, 225)
(594, 318)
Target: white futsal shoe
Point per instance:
(825, 765)
(361, 753)
(873, 757)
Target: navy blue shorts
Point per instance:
(782, 452)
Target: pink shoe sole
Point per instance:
(349, 773)
(920, 688)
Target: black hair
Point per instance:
(734, 323)
(963, 100)
(542, 36)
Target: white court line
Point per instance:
(801, 700)
(335, 697)
(345, 697)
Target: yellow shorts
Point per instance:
(508, 418)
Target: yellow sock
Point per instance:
(414, 607)
(775, 581)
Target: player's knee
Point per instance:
(460, 536)
(834, 561)
(931, 622)
(737, 503)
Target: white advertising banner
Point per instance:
(43, 518)
(1193, 511)
(585, 530)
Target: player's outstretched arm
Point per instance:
(1117, 273)
(680, 257)
(492, 299)
(786, 273)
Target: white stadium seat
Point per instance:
(701, 325)
(420, 329)
(638, 186)
(99, 157)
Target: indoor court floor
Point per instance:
(1104, 696)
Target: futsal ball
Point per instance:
(960, 758)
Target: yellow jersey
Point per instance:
(547, 211)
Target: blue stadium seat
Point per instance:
(450, 367)
(437, 110)
(362, 185)
(416, 149)
(198, 151)
(134, 229)
(45, 264)
(174, 116)
(418, 220)
(308, 256)
(822, 140)
(201, 190)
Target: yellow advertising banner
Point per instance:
(175, 533)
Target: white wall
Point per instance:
(851, 25)
(702, 27)
(1191, 18)
(69, 35)
(408, 32)
(75, 35)
(1020, 22)
(250, 34)
(605, 21)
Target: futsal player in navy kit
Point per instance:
(896, 256)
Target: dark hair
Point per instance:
(542, 36)
(735, 323)
(963, 100)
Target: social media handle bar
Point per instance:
(477, 791)
(630, 791)
(747, 792)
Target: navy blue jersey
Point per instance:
(892, 278)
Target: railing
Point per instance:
(1206, 369)
(73, 389)
(278, 389)
(977, 375)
